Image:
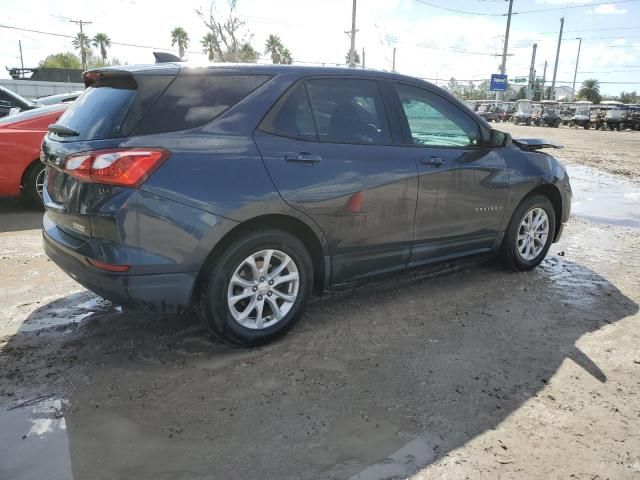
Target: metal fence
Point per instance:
(34, 88)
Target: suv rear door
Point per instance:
(463, 183)
(329, 148)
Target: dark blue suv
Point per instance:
(240, 190)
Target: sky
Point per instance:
(434, 39)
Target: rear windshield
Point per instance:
(97, 113)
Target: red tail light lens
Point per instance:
(108, 267)
(127, 167)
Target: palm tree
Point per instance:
(273, 46)
(590, 90)
(285, 57)
(356, 58)
(102, 42)
(180, 36)
(82, 43)
(209, 45)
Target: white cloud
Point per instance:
(564, 2)
(609, 9)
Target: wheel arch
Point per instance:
(287, 223)
(553, 194)
(26, 171)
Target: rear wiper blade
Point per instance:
(63, 131)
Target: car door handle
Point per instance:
(303, 157)
(433, 161)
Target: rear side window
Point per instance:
(291, 116)
(348, 110)
(194, 100)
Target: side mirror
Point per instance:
(14, 110)
(499, 139)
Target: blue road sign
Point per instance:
(498, 83)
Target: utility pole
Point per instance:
(503, 65)
(363, 57)
(393, 67)
(22, 60)
(544, 81)
(532, 72)
(575, 73)
(352, 50)
(555, 68)
(83, 53)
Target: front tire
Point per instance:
(256, 289)
(530, 234)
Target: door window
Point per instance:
(435, 121)
(348, 110)
(291, 116)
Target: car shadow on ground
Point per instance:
(15, 215)
(419, 363)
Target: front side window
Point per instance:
(435, 121)
(348, 110)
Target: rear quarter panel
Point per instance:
(19, 147)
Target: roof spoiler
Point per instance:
(535, 143)
(164, 57)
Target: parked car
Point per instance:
(59, 98)
(21, 171)
(240, 190)
(17, 102)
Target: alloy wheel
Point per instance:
(263, 289)
(533, 233)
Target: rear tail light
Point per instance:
(126, 167)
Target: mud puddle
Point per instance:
(604, 198)
(35, 429)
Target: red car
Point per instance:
(21, 172)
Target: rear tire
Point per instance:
(514, 252)
(230, 275)
(33, 184)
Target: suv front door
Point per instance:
(462, 182)
(329, 148)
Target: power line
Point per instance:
(595, 29)
(464, 12)
(541, 10)
(73, 37)
(580, 5)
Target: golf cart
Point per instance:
(488, 112)
(548, 115)
(582, 115)
(633, 119)
(523, 113)
(567, 112)
(505, 111)
(615, 114)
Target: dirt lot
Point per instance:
(613, 152)
(458, 371)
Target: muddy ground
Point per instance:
(461, 370)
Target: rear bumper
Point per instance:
(168, 293)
